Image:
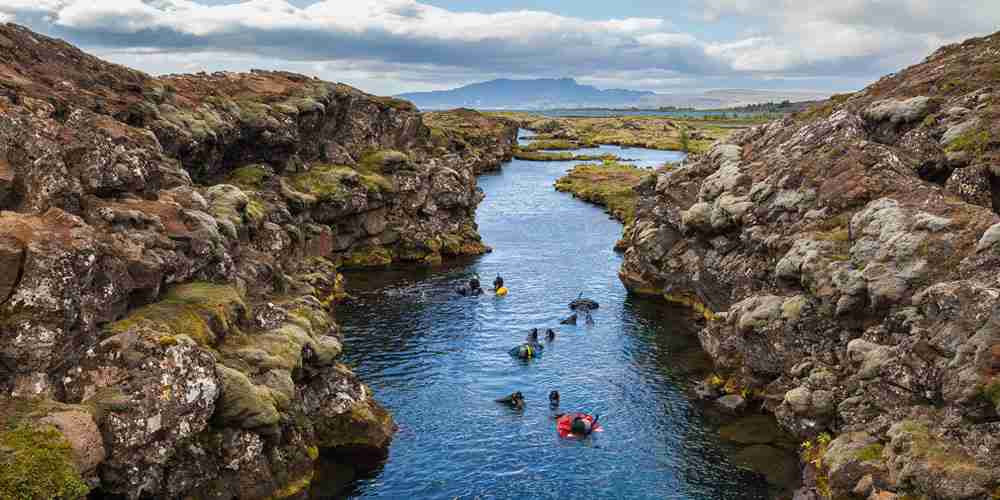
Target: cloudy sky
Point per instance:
(393, 46)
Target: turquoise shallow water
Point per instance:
(438, 361)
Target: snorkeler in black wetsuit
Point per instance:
(527, 350)
(471, 289)
(515, 401)
(533, 336)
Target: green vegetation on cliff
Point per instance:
(201, 311)
(37, 463)
(333, 182)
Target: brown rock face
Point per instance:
(845, 261)
(169, 251)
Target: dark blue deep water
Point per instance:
(437, 361)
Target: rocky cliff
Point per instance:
(169, 251)
(845, 262)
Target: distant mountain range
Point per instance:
(546, 93)
(556, 93)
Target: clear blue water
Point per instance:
(438, 361)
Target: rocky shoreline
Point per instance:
(169, 255)
(844, 261)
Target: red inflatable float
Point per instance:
(585, 424)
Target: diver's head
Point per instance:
(554, 397)
(581, 426)
(549, 334)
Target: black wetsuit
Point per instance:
(533, 336)
(527, 350)
(472, 288)
(515, 400)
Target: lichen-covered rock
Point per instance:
(345, 415)
(858, 289)
(169, 251)
(849, 458)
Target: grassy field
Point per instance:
(694, 135)
(609, 184)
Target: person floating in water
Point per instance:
(581, 306)
(472, 288)
(550, 335)
(527, 350)
(577, 425)
(554, 400)
(515, 401)
(533, 336)
(498, 287)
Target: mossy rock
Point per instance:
(280, 349)
(991, 392)
(295, 488)
(250, 177)
(334, 182)
(397, 104)
(243, 403)
(381, 162)
(366, 426)
(204, 312)
(368, 257)
(37, 463)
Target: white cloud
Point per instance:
(426, 46)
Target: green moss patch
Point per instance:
(551, 145)
(37, 463)
(609, 184)
(201, 311)
(991, 392)
(249, 177)
(333, 182)
(294, 488)
(975, 142)
(368, 257)
(934, 453)
(561, 156)
(870, 452)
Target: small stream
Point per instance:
(438, 361)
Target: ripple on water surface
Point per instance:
(438, 361)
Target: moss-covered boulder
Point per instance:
(242, 403)
(204, 312)
(36, 462)
(346, 417)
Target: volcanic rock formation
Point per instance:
(845, 261)
(169, 252)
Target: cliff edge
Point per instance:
(169, 255)
(845, 262)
